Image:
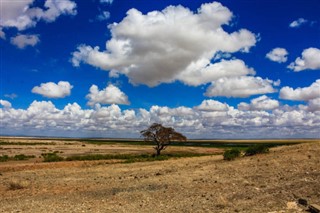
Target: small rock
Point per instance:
(303, 201)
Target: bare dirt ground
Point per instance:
(263, 183)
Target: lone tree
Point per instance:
(161, 136)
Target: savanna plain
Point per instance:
(122, 176)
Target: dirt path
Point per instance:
(263, 183)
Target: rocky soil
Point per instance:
(263, 183)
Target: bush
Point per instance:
(4, 158)
(231, 154)
(256, 149)
(22, 157)
(14, 185)
(51, 157)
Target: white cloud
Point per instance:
(310, 59)
(105, 15)
(314, 105)
(44, 118)
(260, 103)
(278, 55)
(106, 1)
(56, 8)
(5, 104)
(160, 46)
(202, 72)
(2, 34)
(53, 90)
(22, 41)
(297, 23)
(11, 96)
(301, 94)
(243, 86)
(212, 105)
(20, 14)
(110, 95)
(15, 14)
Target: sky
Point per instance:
(209, 69)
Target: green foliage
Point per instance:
(231, 154)
(5, 143)
(22, 157)
(4, 158)
(131, 158)
(51, 157)
(257, 149)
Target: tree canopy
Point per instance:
(161, 136)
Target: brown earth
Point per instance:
(263, 183)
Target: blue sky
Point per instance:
(103, 68)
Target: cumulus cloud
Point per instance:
(298, 23)
(202, 72)
(314, 105)
(21, 14)
(301, 94)
(310, 59)
(110, 95)
(260, 103)
(169, 45)
(112, 121)
(243, 86)
(22, 41)
(278, 55)
(53, 90)
(212, 105)
(5, 104)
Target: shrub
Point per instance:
(256, 149)
(22, 157)
(4, 158)
(231, 154)
(51, 157)
(14, 185)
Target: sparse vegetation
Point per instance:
(131, 158)
(51, 157)
(24, 143)
(16, 185)
(4, 158)
(256, 149)
(19, 157)
(23, 157)
(231, 154)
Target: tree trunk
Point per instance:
(158, 152)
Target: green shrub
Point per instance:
(130, 158)
(51, 157)
(257, 149)
(231, 154)
(22, 157)
(4, 158)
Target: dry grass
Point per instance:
(262, 183)
(17, 184)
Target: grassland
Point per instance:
(94, 180)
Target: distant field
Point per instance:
(219, 143)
